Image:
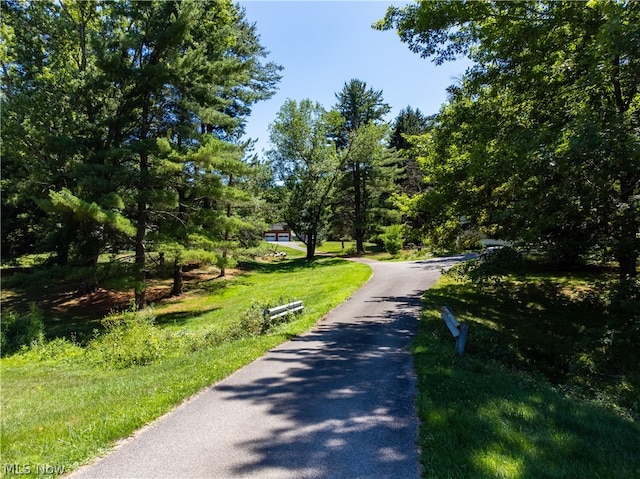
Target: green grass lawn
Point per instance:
(62, 412)
(372, 250)
(548, 386)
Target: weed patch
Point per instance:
(255, 321)
(131, 339)
(20, 331)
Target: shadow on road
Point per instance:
(341, 412)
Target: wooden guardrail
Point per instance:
(458, 331)
(279, 311)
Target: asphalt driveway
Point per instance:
(337, 402)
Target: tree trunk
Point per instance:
(142, 214)
(225, 251)
(358, 232)
(223, 263)
(629, 244)
(311, 244)
(627, 254)
(141, 233)
(140, 262)
(177, 279)
(63, 243)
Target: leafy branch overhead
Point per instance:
(539, 143)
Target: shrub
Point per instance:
(255, 322)
(131, 339)
(20, 331)
(58, 349)
(490, 267)
(393, 238)
(469, 240)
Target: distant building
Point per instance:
(279, 232)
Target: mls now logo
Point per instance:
(17, 469)
(26, 469)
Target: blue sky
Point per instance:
(324, 44)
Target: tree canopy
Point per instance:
(91, 90)
(369, 169)
(307, 162)
(539, 144)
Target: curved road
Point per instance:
(337, 402)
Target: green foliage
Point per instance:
(407, 124)
(20, 331)
(307, 162)
(393, 239)
(539, 143)
(469, 240)
(130, 340)
(122, 118)
(58, 350)
(489, 268)
(66, 203)
(359, 106)
(536, 383)
(256, 321)
(362, 205)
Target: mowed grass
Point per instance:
(62, 413)
(540, 392)
(372, 251)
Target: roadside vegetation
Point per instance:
(127, 182)
(548, 385)
(65, 402)
(378, 252)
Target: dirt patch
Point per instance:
(102, 301)
(69, 300)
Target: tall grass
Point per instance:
(61, 409)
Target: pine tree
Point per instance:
(89, 89)
(360, 139)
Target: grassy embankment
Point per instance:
(549, 386)
(374, 251)
(61, 407)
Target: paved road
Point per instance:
(289, 244)
(337, 402)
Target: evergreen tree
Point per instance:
(408, 123)
(89, 88)
(360, 137)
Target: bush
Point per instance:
(469, 240)
(131, 340)
(21, 331)
(393, 238)
(490, 267)
(255, 322)
(58, 349)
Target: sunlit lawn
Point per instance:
(64, 412)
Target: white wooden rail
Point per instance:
(283, 310)
(458, 331)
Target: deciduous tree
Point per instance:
(540, 142)
(307, 162)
